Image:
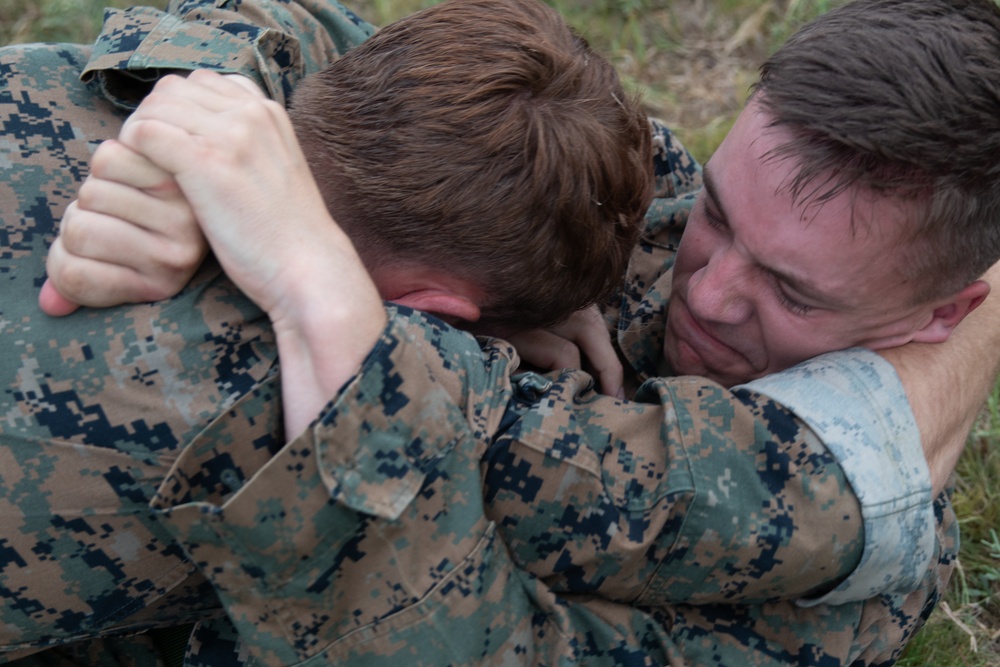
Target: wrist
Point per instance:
(324, 333)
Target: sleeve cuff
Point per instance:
(412, 401)
(853, 400)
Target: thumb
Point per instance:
(53, 303)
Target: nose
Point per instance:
(720, 290)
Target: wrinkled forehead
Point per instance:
(837, 244)
(760, 152)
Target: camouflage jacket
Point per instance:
(448, 510)
(518, 518)
(94, 408)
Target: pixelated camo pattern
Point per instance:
(286, 40)
(600, 537)
(638, 312)
(95, 407)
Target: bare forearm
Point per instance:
(325, 328)
(947, 383)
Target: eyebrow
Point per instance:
(708, 184)
(797, 283)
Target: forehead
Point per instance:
(849, 247)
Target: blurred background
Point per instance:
(693, 61)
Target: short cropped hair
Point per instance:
(487, 138)
(901, 98)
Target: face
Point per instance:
(762, 282)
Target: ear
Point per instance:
(451, 307)
(947, 316)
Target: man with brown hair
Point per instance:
(97, 406)
(622, 514)
(496, 180)
(510, 158)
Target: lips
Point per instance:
(712, 354)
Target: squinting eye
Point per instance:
(791, 304)
(711, 217)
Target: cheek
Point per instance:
(791, 340)
(693, 253)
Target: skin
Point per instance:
(762, 282)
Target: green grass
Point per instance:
(965, 630)
(693, 61)
(54, 20)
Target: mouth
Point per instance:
(697, 350)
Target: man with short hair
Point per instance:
(511, 158)
(97, 407)
(390, 461)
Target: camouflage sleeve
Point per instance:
(369, 536)
(273, 42)
(677, 181)
(364, 541)
(885, 465)
(636, 309)
(691, 495)
(783, 633)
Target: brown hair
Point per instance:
(902, 98)
(486, 137)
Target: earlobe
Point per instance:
(450, 307)
(948, 316)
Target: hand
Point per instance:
(236, 159)
(129, 237)
(584, 332)
(947, 383)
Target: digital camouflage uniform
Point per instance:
(95, 407)
(445, 509)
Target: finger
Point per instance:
(184, 112)
(611, 378)
(94, 250)
(198, 104)
(164, 258)
(94, 283)
(546, 350)
(184, 100)
(590, 332)
(168, 146)
(602, 360)
(53, 303)
(188, 136)
(247, 83)
(158, 214)
(113, 241)
(114, 161)
(209, 89)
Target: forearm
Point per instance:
(651, 502)
(327, 319)
(947, 383)
(390, 472)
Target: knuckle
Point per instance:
(88, 196)
(170, 82)
(179, 259)
(72, 235)
(71, 280)
(102, 158)
(157, 290)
